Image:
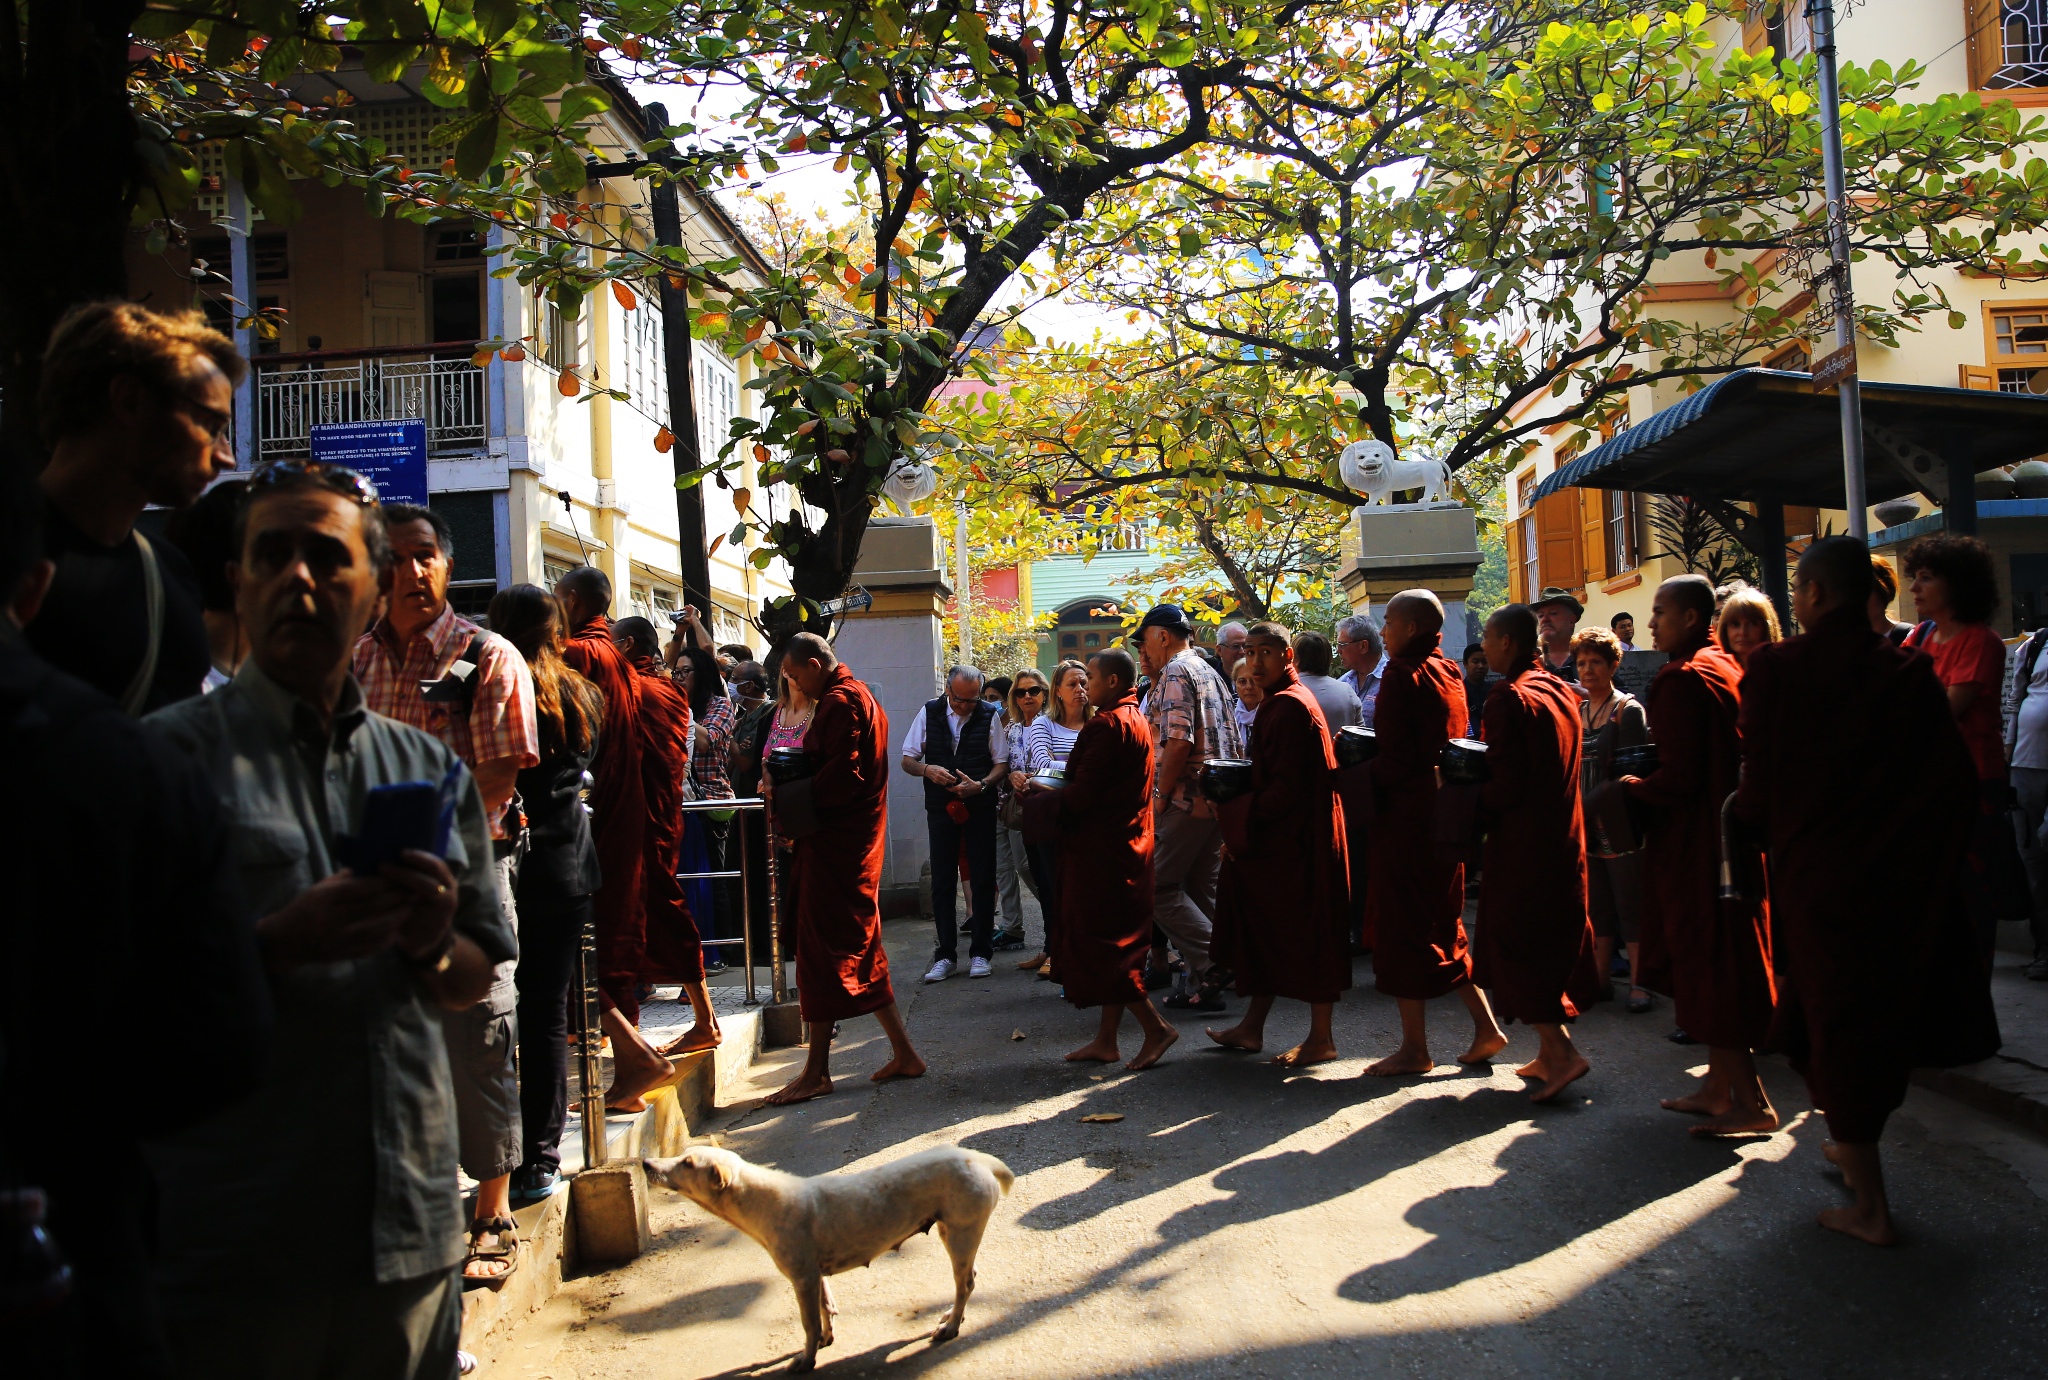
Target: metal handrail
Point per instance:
(777, 982)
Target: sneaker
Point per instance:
(940, 970)
(1007, 940)
(978, 967)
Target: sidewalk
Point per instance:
(2014, 1082)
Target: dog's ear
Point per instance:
(721, 1173)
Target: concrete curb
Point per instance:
(2003, 1086)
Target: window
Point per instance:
(1069, 641)
(718, 399)
(558, 333)
(646, 362)
(1781, 26)
(2018, 347)
(457, 246)
(1796, 358)
(1623, 551)
(552, 570)
(2008, 44)
(1532, 542)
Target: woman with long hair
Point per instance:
(1612, 719)
(1024, 702)
(1047, 742)
(1744, 622)
(557, 877)
(706, 836)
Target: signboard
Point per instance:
(1636, 672)
(1830, 370)
(390, 454)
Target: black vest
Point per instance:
(971, 756)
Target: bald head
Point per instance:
(636, 636)
(585, 592)
(1681, 614)
(1841, 568)
(1510, 640)
(1415, 622)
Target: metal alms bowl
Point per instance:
(1356, 744)
(1635, 761)
(1464, 762)
(1224, 779)
(788, 764)
(1049, 780)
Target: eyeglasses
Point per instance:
(212, 418)
(1034, 691)
(290, 474)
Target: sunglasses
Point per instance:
(1032, 690)
(291, 474)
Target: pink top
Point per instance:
(1975, 655)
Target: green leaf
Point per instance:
(579, 103)
(478, 149)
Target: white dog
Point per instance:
(1369, 466)
(812, 1228)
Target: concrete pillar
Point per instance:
(897, 647)
(1407, 546)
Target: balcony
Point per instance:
(1100, 539)
(296, 392)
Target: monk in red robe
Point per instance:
(1283, 907)
(1876, 952)
(1417, 902)
(1105, 873)
(1713, 955)
(841, 968)
(618, 823)
(675, 948)
(1534, 954)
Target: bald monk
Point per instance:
(618, 824)
(1105, 876)
(1283, 906)
(1876, 953)
(1534, 954)
(1417, 903)
(1712, 956)
(675, 948)
(841, 969)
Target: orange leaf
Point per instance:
(713, 322)
(852, 278)
(559, 220)
(632, 48)
(808, 427)
(797, 143)
(624, 295)
(716, 542)
(741, 498)
(761, 454)
(754, 331)
(594, 44)
(771, 351)
(838, 456)
(1011, 117)
(481, 358)
(675, 280)
(513, 352)
(663, 440)
(567, 385)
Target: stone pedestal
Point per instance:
(609, 1207)
(1406, 546)
(897, 648)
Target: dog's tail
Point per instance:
(1002, 1173)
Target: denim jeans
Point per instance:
(980, 834)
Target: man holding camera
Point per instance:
(956, 748)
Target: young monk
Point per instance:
(1417, 903)
(1877, 954)
(1535, 950)
(1712, 955)
(1105, 873)
(1283, 914)
(841, 969)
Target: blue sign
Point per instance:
(392, 455)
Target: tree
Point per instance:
(1702, 540)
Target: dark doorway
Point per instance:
(2029, 593)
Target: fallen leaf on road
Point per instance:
(1016, 1034)
(1103, 1116)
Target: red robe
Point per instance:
(618, 815)
(1534, 952)
(675, 949)
(1283, 906)
(841, 969)
(1105, 852)
(1417, 904)
(1712, 956)
(1877, 957)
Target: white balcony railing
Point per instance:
(1120, 536)
(294, 393)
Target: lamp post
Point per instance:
(1821, 15)
(964, 598)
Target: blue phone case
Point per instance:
(406, 814)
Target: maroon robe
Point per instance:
(1877, 955)
(1534, 952)
(1712, 956)
(1416, 910)
(675, 949)
(1105, 852)
(841, 969)
(1283, 905)
(618, 815)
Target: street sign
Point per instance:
(1830, 370)
(860, 601)
(390, 454)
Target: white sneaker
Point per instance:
(940, 970)
(978, 967)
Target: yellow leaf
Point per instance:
(839, 163)
(482, 358)
(713, 322)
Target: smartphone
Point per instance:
(406, 814)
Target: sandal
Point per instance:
(1033, 963)
(505, 1233)
(1639, 1001)
(1205, 1000)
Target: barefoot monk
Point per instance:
(1876, 951)
(841, 970)
(1712, 955)
(1534, 954)
(1417, 904)
(1283, 912)
(1105, 874)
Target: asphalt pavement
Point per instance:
(1243, 1221)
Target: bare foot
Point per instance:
(1236, 1038)
(630, 1084)
(1874, 1227)
(1155, 1045)
(1533, 1069)
(1304, 1054)
(1831, 1153)
(899, 1067)
(692, 1040)
(1701, 1103)
(1739, 1120)
(803, 1089)
(1556, 1083)
(1096, 1052)
(1484, 1047)
(1401, 1061)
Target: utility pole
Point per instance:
(963, 593)
(1821, 15)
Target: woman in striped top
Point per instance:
(1047, 741)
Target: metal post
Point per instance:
(746, 907)
(242, 286)
(964, 594)
(1960, 514)
(1821, 14)
(589, 1031)
(1770, 554)
(778, 986)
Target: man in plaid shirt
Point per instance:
(1190, 710)
(485, 713)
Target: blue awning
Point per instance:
(1764, 434)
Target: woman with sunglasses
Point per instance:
(1047, 740)
(1023, 703)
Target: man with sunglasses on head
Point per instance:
(136, 407)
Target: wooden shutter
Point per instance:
(1801, 522)
(1558, 560)
(1593, 534)
(1987, 43)
(1517, 593)
(1976, 376)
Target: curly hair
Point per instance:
(100, 341)
(1600, 640)
(1964, 565)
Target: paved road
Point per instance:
(1244, 1222)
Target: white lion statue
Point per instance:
(910, 481)
(1369, 467)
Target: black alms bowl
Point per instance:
(788, 764)
(1224, 779)
(1464, 762)
(1052, 780)
(1355, 744)
(1635, 761)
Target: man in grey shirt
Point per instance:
(1359, 648)
(315, 1228)
(1337, 700)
